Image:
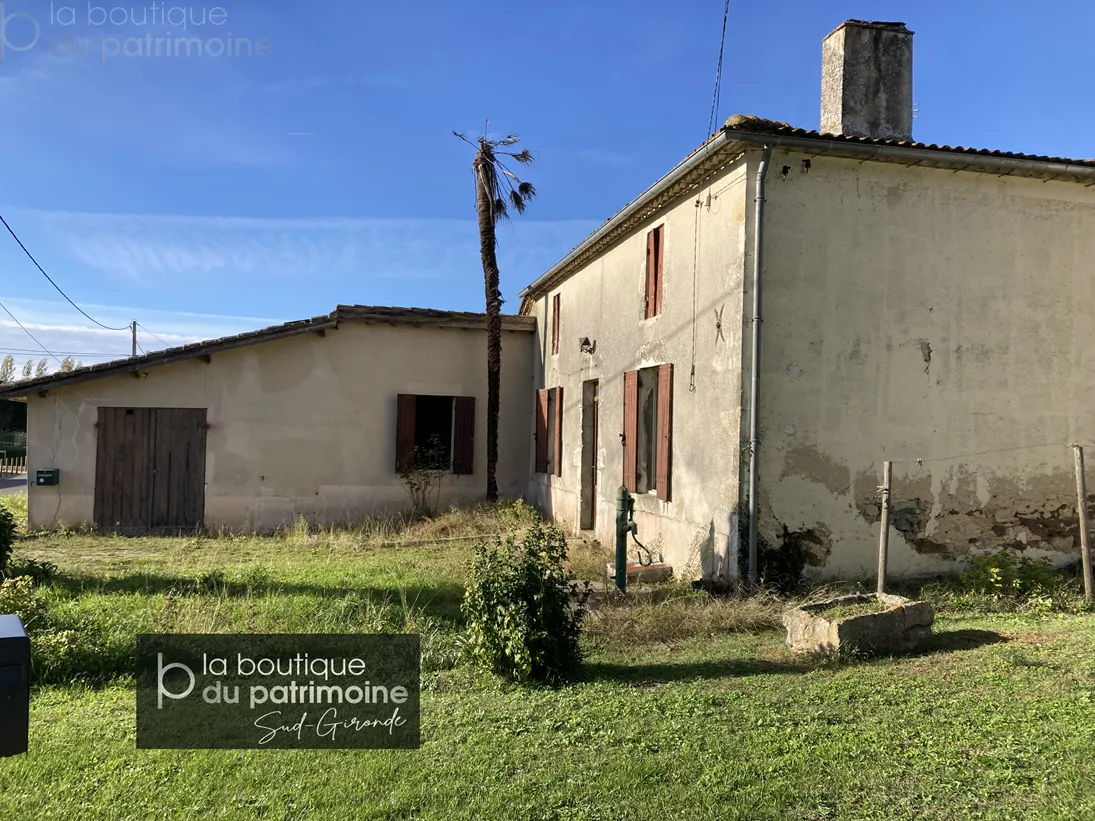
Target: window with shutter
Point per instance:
(555, 324)
(665, 430)
(435, 432)
(463, 435)
(557, 462)
(654, 265)
(631, 403)
(648, 423)
(542, 431)
(404, 432)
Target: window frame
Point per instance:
(655, 272)
(662, 434)
(462, 420)
(556, 324)
(548, 435)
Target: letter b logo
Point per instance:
(20, 37)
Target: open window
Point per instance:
(549, 431)
(655, 245)
(435, 432)
(648, 429)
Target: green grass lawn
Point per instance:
(689, 709)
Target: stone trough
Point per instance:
(903, 626)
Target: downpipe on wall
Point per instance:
(754, 376)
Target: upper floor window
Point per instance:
(655, 244)
(555, 324)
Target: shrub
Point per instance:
(781, 566)
(524, 620)
(421, 477)
(1003, 573)
(18, 596)
(7, 538)
(518, 513)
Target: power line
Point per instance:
(143, 328)
(28, 333)
(51, 282)
(718, 73)
(33, 352)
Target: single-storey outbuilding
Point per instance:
(310, 418)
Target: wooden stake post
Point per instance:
(884, 534)
(1081, 512)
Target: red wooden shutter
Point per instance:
(665, 429)
(659, 247)
(463, 441)
(404, 432)
(555, 324)
(558, 432)
(650, 276)
(541, 431)
(631, 429)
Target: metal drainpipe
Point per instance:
(754, 376)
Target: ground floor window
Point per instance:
(549, 431)
(435, 433)
(648, 428)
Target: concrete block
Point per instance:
(905, 625)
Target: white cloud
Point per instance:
(148, 246)
(64, 332)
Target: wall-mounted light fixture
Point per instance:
(585, 346)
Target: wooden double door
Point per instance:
(150, 470)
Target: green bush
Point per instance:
(18, 596)
(518, 513)
(779, 567)
(524, 622)
(1005, 574)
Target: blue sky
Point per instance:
(209, 195)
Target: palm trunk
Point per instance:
(484, 206)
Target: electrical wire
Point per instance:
(54, 284)
(143, 328)
(716, 95)
(28, 333)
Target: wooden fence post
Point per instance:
(884, 534)
(1081, 512)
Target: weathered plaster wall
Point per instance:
(703, 266)
(301, 426)
(923, 314)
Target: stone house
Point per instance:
(922, 304)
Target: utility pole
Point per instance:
(133, 327)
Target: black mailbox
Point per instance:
(14, 686)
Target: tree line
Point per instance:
(32, 370)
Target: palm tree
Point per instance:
(497, 189)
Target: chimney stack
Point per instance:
(866, 81)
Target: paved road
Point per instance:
(13, 484)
